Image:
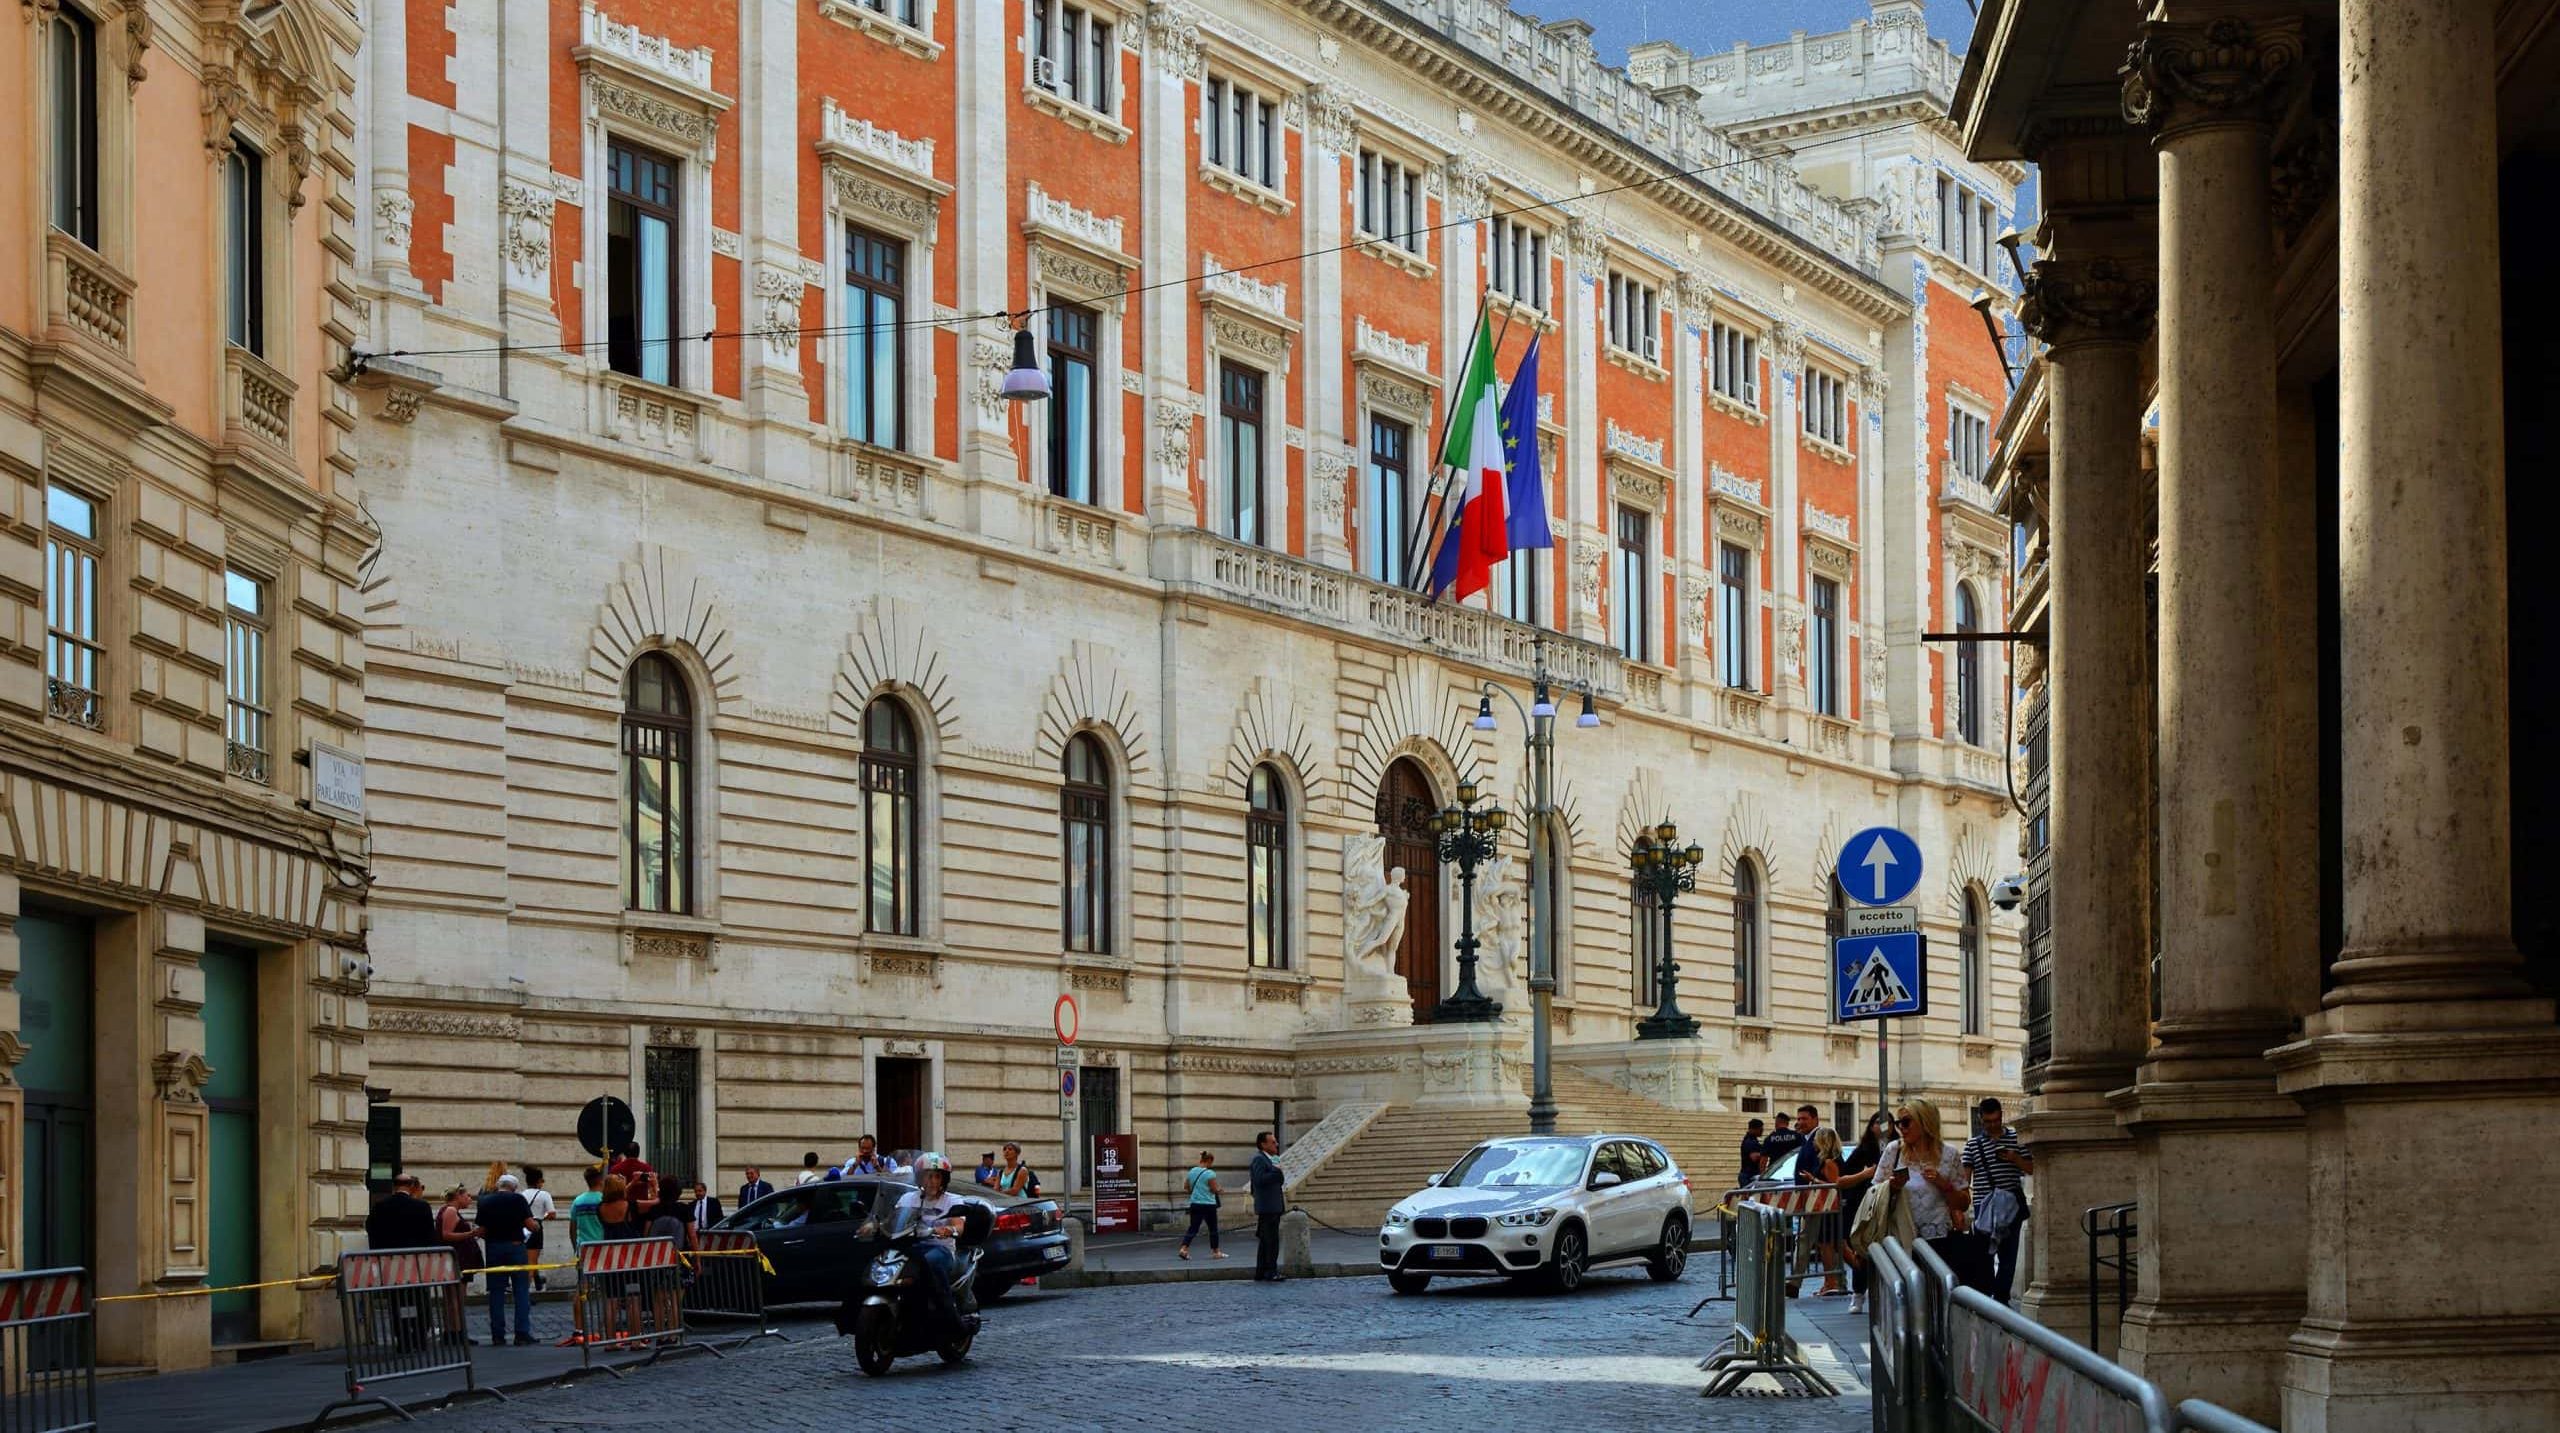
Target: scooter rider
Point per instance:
(933, 1206)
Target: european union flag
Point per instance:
(1527, 518)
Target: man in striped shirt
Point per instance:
(1996, 1162)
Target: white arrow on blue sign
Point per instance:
(1880, 975)
(1879, 866)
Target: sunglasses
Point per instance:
(1902, 1123)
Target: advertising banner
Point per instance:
(1115, 1184)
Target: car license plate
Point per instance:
(1056, 1252)
(1448, 1251)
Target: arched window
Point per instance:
(1972, 970)
(1748, 997)
(1084, 815)
(657, 757)
(890, 839)
(1266, 849)
(1968, 668)
(1645, 978)
(1835, 924)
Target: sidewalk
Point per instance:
(1150, 1259)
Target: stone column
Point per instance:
(2223, 1248)
(1332, 448)
(1171, 312)
(1783, 669)
(990, 467)
(1586, 509)
(387, 141)
(2093, 309)
(1688, 511)
(778, 285)
(2427, 1032)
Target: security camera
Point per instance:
(2008, 892)
(354, 969)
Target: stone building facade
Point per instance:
(183, 860)
(770, 728)
(2279, 468)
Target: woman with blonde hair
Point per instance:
(489, 1181)
(1940, 1195)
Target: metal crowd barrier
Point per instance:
(48, 1352)
(403, 1315)
(729, 1285)
(1759, 1341)
(630, 1295)
(1798, 1201)
(2109, 1221)
(1896, 1358)
(2206, 1417)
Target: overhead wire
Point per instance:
(956, 321)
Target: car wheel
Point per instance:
(1672, 1259)
(1404, 1283)
(1573, 1257)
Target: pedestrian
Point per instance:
(402, 1219)
(1807, 1226)
(1270, 1201)
(454, 1231)
(1205, 1191)
(1996, 1162)
(630, 1166)
(706, 1207)
(867, 1159)
(1829, 1233)
(1934, 1189)
(620, 1218)
(986, 1168)
(504, 1222)
(1857, 1172)
(754, 1189)
(586, 1226)
(489, 1181)
(1751, 1160)
(1016, 1177)
(1784, 1139)
(539, 1200)
(809, 1172)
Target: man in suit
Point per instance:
(1270, 1201)
(706, 1206)
(754, 1189)
(402, 1220)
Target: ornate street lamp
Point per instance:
(1539, 721)
(1468, 836)
(1663, 869)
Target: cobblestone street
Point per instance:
(1309, 1354)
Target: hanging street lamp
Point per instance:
(1664, 869)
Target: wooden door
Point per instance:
(1404, 813)
(905, 1085)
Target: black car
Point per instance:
(814, 1236)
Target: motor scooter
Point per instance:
(888, 1316)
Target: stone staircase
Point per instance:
(1393, 1151)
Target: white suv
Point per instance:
(1551, 1207)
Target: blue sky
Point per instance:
(1701, 25)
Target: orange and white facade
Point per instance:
(689, 360)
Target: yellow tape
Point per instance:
(223, 1289)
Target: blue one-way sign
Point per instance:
(1879, 866)
(1880, 975)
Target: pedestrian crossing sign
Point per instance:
(1876, 976)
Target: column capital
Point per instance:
(2100, 299)
(2194, 73)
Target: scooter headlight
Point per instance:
(886, 1269)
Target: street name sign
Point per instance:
(1879, 866)
(1880, 976)
(1880, 920)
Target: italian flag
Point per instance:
(1474, 447)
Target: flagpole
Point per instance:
(1416, 575)
(1414, 547)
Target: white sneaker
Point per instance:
(1858, 1304)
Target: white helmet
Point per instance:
(932, 1159)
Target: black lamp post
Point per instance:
(1468, 836)
(1663, 869)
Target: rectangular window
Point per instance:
(1520, 262)
(1826, 408)
(672, 1076)
(902, 11)
(1073, 56)
(1240, 450)
(1734, 364)
(1240, 132)
(1633, 323)
(1390, 206)
(1969, 442)
(249, 720)
(244, 245)
(1075, 402)
(1635, 584)
(640, 265)
(875, 370)
(1825, 655)
(1516, 586)
(73, 46)
(1386, 508)
(73, 658)
(1735, 612)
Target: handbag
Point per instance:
(1874, 1217)
(2001, 1212)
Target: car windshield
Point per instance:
(1518, 1166)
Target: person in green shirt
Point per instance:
(1203, 1183)
(586, 1225)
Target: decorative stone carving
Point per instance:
(1464, 187)
(651, 54)
(400, 405)
(1252, 338)
(1695, 590)
(854, 191)
(1876, 669)
(988, 359)
(1046, 211)
(2093, 300)
(443, 1022)
(1173, 435)
(1695, 294)
(1724, 482)
(1373, 904)
(1831, 562)
(682, 1037)
(1382, 391)
(1331, 122)
(860, 136)
(778, 295)
(1331, 493)
(2178, 71)
(1372, 342)
(1791, 639)
(392, 209)
(524, 216)
(668, 945)
(1588, 553)
(1502, 927)
(691, 129)
(1620, 440)
(179, 1076)
(1833, 525)
(1634, 485)
(2305, 171)
(1078, 275)
(1172, 40)
(1263, 297)
(728, 243)
(1786, 346)
(1587, 248)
